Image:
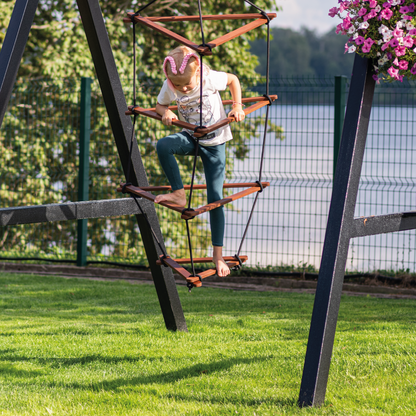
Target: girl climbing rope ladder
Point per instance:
(205, 132)
(182, 69)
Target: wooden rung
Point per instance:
(245, 16)
(204, 260)
(209, 207)
(195, 280)
(196, 186)
(203, 50)
(225, 102)
(238, 32)
(203, 131)
(198, 211)
(156, 116)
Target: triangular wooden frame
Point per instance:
(143, 192)
(175, 265)
(151, 112)
(260, 20)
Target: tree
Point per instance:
(56, 52)
(304, 53)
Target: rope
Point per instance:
(201, 83)
(266, 120)
(129, 165)
(144, 7)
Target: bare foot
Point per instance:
(222, 268)
(177, 197)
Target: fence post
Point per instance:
(84, 159)
(339, 114)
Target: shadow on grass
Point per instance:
(12, 370)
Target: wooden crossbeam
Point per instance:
(203, 50)
(186, 215)
(209, 207)
(175, 265)
(203, 260)
(225, 102)
(244, 16)
(259, 103)
(198, 186)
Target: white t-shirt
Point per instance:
(212, 108)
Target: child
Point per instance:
(182, 70)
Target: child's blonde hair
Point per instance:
(178, 54)
(182, 62)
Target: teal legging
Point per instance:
(213, 159)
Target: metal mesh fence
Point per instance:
(39, 152)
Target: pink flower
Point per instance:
(396, 62)
(333, 12)
(339, 29)
(413, 69)
(411, 8)
(385, 46)
(362, 11)
(394, 42)
(375, 77)
(366, 48)
(400, 51)
(412, 32)
(359, 41)
(373, 3)
(393, 72)
(398, 33)
(403, 65)
(344, 6)
(386, 14)
(408, 42)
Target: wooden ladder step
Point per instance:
(151, 112)
(259, 20)
(188, 214)
(175, 264)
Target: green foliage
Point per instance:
(39, 134)
(304, 53)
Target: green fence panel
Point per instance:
(40, 150)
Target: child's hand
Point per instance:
(168, 116)
(237, 112)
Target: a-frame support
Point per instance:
(97, 36)
(341, 228)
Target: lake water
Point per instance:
(290, 220)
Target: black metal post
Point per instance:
(84, 167)
(339, 115)
(121, 125)
(13, 46)
(337, 237)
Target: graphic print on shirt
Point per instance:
(190, 110)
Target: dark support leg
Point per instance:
(121, 125)
(338, 234)
(13, 46)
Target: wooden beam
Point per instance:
(244, 16)
(209, 207)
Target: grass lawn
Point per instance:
(80, 347)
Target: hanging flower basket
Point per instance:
(384, 31)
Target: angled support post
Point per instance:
(121, 125)
(12, 49)
(338, 233)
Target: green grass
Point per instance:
(80, 347)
